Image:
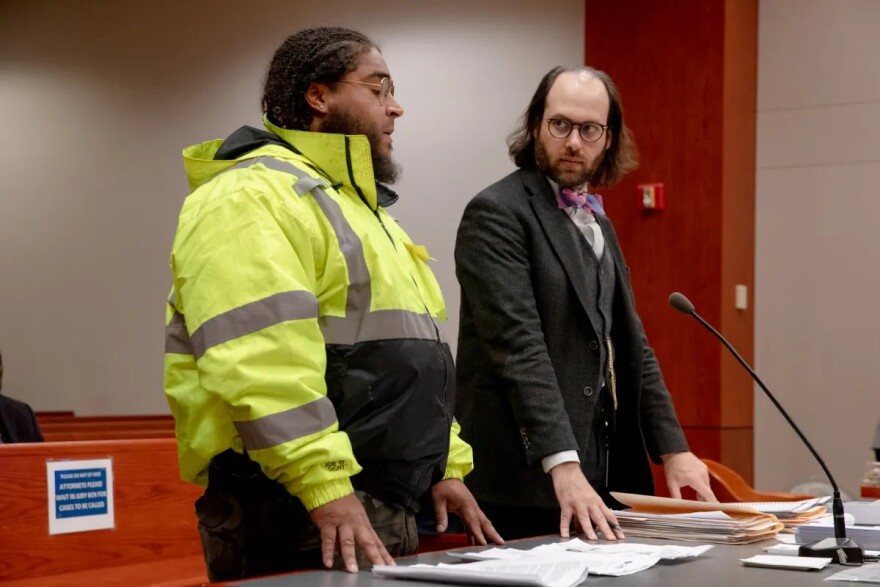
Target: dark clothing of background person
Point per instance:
(17, 422)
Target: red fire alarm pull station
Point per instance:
(652, 196)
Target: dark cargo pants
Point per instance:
(253, 527)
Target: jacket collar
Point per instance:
(345, 159)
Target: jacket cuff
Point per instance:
(315, 497)
(456, 471)
(672, 445)
(566, 456)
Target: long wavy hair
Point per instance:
(620, 158)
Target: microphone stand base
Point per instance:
(842, 551)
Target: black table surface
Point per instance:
(719, 566)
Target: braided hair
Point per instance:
(313, 55)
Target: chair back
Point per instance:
(729, 486)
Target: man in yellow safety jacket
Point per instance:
(311, 385)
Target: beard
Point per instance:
(340, 121)
(563, 178)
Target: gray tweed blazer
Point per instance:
(528, 353)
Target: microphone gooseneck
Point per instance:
(846, 551)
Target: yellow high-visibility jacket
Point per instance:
(302, 325)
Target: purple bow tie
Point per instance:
(567, 198)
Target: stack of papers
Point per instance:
(868, 537)
(864, 512)
(679, 519)
(791, 513)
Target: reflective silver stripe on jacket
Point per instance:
(238, 322)
(252, 317)
(359, 294)
(359, 324)
(282, 427)
(177, 339)
(380, 325)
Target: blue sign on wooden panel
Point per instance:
(80, 492)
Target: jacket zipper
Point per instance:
(437, 340)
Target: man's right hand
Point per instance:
(344, 522)
(578, 500)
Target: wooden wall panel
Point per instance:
(738, 204)
(686, 73)
(154, 509)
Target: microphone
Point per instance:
(841, 549)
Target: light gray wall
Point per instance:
(817, 324)
(95, 105)
(97, 100)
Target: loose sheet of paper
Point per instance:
(786, 562)
(609, 565)
(868, 573)
(612, 560)
(659, 551)
(783, 507)
(534, 573)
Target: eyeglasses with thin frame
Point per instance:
(590, 132)
(384, 88)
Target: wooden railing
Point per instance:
(67, 427)
(155, 540)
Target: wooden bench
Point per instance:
(155, 541)
(71, 417)
(89, 434)
(54, 416)
(59, 429)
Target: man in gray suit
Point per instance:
(560, 395)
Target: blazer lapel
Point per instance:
(561, 232)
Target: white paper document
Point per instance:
(864, 512)
(659, 551)
(537, 573)
(491, 554)
(786, 507)
(612, 560)
(786, 562)
(867, 573)
(608, 565)
(708, 526)
(80, 495)
(867, 537)
(694, 521)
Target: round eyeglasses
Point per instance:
(590, 132)
(384, 88)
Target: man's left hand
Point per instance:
(451, 495)
(684, 469)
